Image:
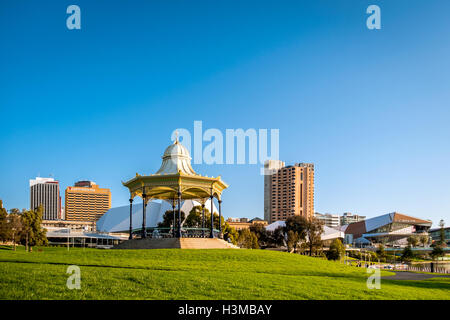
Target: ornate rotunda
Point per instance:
(174, 182)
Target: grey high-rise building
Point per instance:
(45, 192)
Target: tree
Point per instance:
(276, 238)
(247, 239)
(296, 231)
(381, 252)
(424, 239)
(442, 241)
(3, 223)
(168, 219)
(230, 233)
(260, 231)
(437, 252)
(298, 224)
(292, 240)
(314, 232)
(412, 241)
(407, 254)
(15, 228)
(195, 217)
(216, 221)
(15, 211)
(336, 251)
(32, 232)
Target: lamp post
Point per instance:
(68, 239)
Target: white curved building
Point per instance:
(118, 219)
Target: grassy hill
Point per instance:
(195, 274)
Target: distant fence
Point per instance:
(429, 268)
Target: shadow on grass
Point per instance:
(86, 265)
(6, 247)
(424, 284)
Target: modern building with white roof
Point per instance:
(117, 220)
(390, 228)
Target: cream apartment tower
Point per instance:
(288, 190)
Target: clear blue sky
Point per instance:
(369, 108)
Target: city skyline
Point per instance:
(367, 107)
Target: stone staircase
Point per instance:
(206, 243)
(176, 243)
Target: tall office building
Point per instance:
(290, 192)
(45, 192)
(86, 201)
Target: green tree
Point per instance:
(298, 224)
(336, 251)
(168, 219)
(381, 252)
(216, 221)
(4, 231)
(32, 232)
(292, 241)
(247, 239)
(195, 217)
(424, 239)
(260, 231)
(15, 228)
(407, 254)
(276, 238)
(230, 233)
(437, 252)
(412, 241)
(314, 232)
(442, 241)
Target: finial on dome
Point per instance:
(176, 136)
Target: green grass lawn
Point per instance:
(195, 274)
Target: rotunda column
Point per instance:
(220, 216)
(179, 213)
(203, 219)
(144, 204)
(211, 197)
(131, 219)
(173, 221)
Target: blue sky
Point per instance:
(370, 108)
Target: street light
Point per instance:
(68, 238)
